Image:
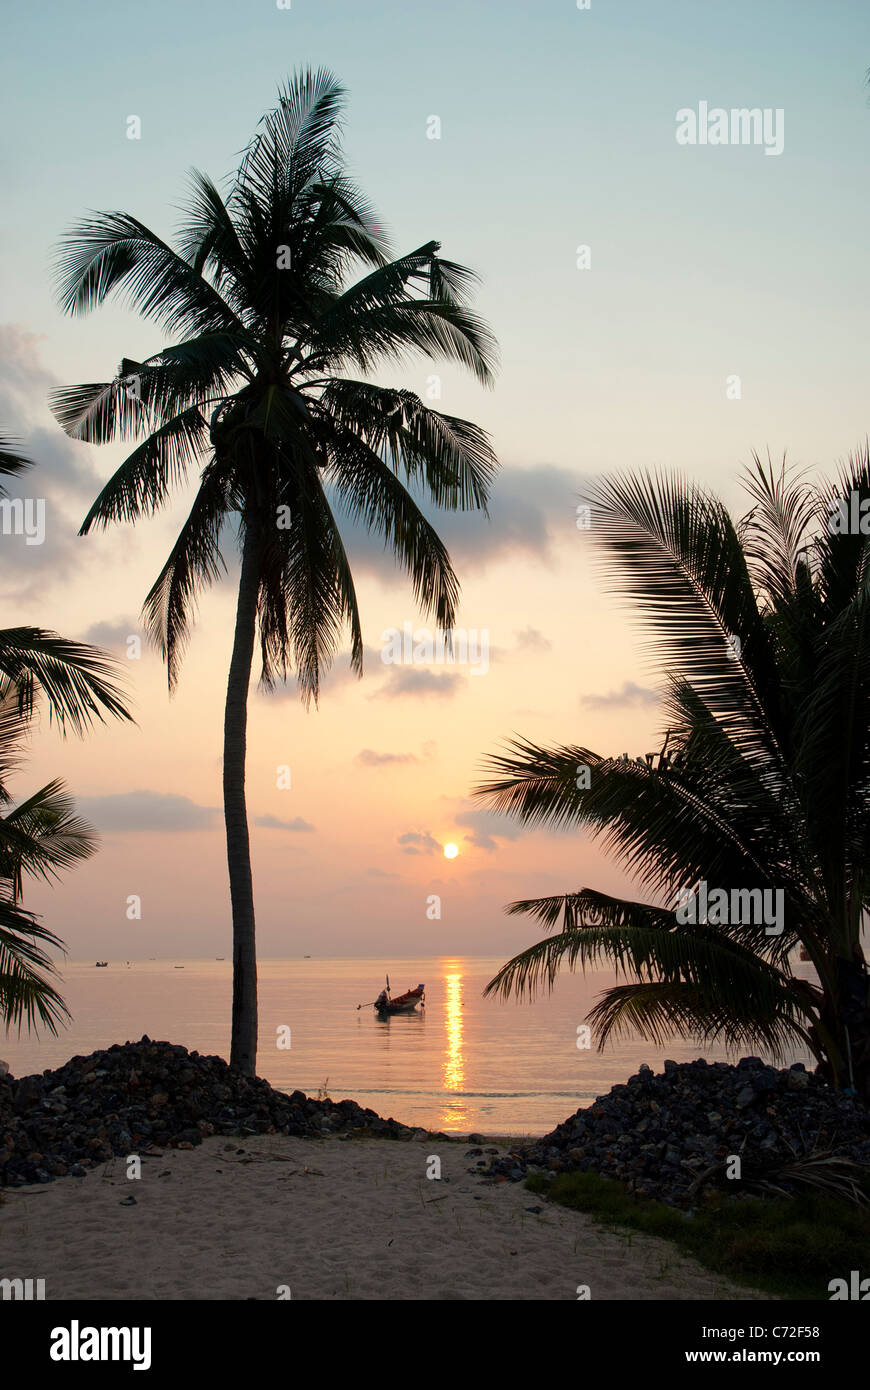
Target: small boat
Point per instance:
(402, 1004)
(181, 967)
(178, 967)
(101, 964)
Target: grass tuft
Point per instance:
(790, 1247)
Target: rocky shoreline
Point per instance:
(669, 1135)
(136, 1097)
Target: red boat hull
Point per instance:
(402, 1004)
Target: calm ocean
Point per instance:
(464, 1063)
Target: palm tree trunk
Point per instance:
(843, 1030)
(243, 1048)
(854, 1023)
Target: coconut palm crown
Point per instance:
(265, 391)
(762, 632)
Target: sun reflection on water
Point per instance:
(453, 1071)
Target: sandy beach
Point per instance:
(329, 1219)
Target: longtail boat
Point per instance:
(402, 1004)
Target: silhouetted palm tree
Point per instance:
(258, 388)
(763, 633)
(41, 836)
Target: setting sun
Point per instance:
(451, 851)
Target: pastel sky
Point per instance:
(557, 131)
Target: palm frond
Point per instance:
(452, 458)
(195, 562)
(142, 483)
(369, 491)
(26, 994)
(12, 463)
(78, 681)
(112, 251)
(42, 836)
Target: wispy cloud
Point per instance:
(146, 810)
(531, 640)
(488, 827)
(338, 676)
(628, 696)
(528, 510)
(63, 474)
(416, 680)
(113, 634)
(418, 842)
(369, 758)
(275, 823)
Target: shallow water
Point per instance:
(462, 1063)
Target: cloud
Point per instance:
(629, 696)
(369, 758)
(336, 677)
(417, 680)
(24, 382)
(275, 823)
(114, 634)
(488, 827)
(393, 681)
(380, 873)
(529, 508)
(146, 810)
(531, 640)
(63, 476)
(491, 830)
(415, 842)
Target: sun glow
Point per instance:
(451, 851)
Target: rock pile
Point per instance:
(662, 1133)
(144, 1095)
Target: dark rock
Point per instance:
(135, 1097)
(663, 1135)
(28, 1092)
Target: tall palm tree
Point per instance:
(763, 633)
(258, 394)
(41, 836)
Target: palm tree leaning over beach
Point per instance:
(763, 633)
(257, 394)
(41, 836)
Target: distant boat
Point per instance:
(178, 967)
(306, 957)
(101, 964)
(181, 967)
